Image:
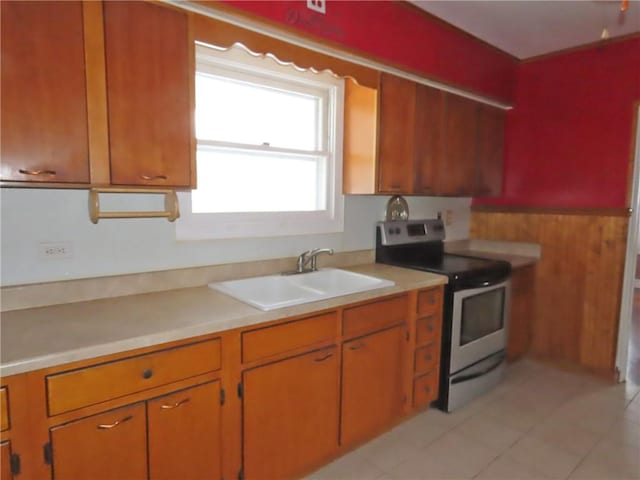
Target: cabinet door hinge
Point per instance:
(222, 396)
(241, 472)
(14, 461)
(48, 453)
(240, 390)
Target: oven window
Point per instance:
(482, 315)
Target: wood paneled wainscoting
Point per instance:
(578, 279)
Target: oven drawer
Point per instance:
(426, 358)
(428, 329)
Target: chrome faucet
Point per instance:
(310, 257)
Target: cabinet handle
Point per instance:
(322, 359)
(175, 405)
(428, 357)
(147, 374)
(427, 389)
(429, 328)
(357, 346)
(395, 188)
(37, 172)
(109, 426)
(431, 299)
(153, 177)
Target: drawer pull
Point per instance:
(148, 373)
(427, 389)
(323, 358)
(431, 299)
(428, 357)
(109, 426)
(37, 172)
(429, 327)
(175, 405)
(153, 177)
(357, 346)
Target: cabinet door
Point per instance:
(148, 87)
(43, 100)
(184, 434)
(457, 174)
(428, 145)
(396, 135)
(522, 312)
(372, 393)
(490, 150)
(110, 446)
(290, 409)
(5, 461)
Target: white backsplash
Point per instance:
(123, 246)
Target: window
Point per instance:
(269, 149)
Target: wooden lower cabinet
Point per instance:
(522, 312)
(111, 445)
(170, 437)
(185, 434)
(290, 415)
(372, 394)
(5, 461)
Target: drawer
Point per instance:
(87, 386)
(4, 409)
(374, 316)
(429, 301)
(268, 341)
(425, 389)
(427, 358)
(428, 329)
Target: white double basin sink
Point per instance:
(277, 291)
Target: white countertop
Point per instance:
(43, 337)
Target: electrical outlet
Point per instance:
(319, 6)
(448, 217)
(55, 250)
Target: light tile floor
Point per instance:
(541, 422)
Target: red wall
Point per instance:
(398, 33)
(569, 140)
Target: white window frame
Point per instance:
(202, 226)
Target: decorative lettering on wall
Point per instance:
(313, 21)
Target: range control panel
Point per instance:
(410, 231)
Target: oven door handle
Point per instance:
(471, 376)
(487, 280)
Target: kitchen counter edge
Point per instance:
(37, 338)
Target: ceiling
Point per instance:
(529, 28)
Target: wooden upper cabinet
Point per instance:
(428, 139)
(490, 152)
(149, 85)
(360, 138)
(396, 135)
(43, 99)
(457, 169)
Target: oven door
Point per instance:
(479, 324)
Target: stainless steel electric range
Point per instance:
(476, 306)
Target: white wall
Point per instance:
(120, 246)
